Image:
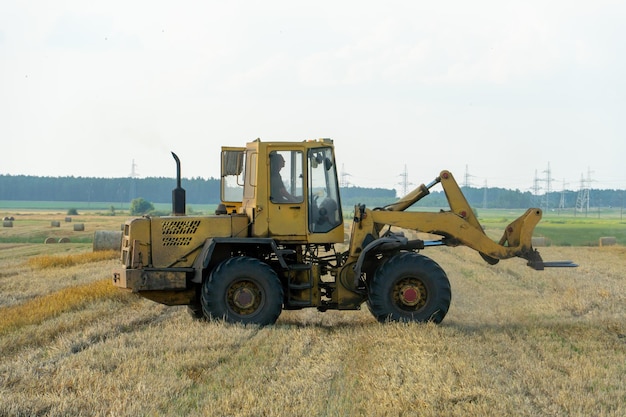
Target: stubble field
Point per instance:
(516, 342)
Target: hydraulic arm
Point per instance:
(459, 225)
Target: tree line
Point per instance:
(114, 190)
(207, 191)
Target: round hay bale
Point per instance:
(538, 242)
(68, 220)
(608, 241)
(64, 240)
(107, 240)
(79, 227)
(50, 240)
(55, 223)
(7, 223)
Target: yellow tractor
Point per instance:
(271, 243)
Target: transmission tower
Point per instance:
(536, 187)
(548, 181)
(485, 195)
(467, 182)
(582, 201)
(405, 182)
(562, 202)
(344, 178)
(133, 174)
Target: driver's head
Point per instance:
(276, 161)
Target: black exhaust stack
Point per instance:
(178, 194)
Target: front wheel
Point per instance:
(243, 290)
(409, 287)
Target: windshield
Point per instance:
(325, 206)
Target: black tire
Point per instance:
(243, 290)
(409, 287)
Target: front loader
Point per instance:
(272, 244)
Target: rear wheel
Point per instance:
(409, 287)
(243, 290)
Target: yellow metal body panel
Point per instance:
(136, 252)
(287, 221)
(177, 240)
(174, 241)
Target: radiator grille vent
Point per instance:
(179, 232)
(176, 241)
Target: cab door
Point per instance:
(287, 217)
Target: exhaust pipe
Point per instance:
(178, 193)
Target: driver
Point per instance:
(278, 192)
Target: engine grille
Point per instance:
(179, 232)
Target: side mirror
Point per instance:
(316, 159)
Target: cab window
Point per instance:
(286, 178)
(232, 175)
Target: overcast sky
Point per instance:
(507, 91)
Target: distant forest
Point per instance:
(207, 191)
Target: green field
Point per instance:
(565, 229)
(559, 229)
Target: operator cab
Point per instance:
(289, 190)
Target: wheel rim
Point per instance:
(410, 294)
(244, 297)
